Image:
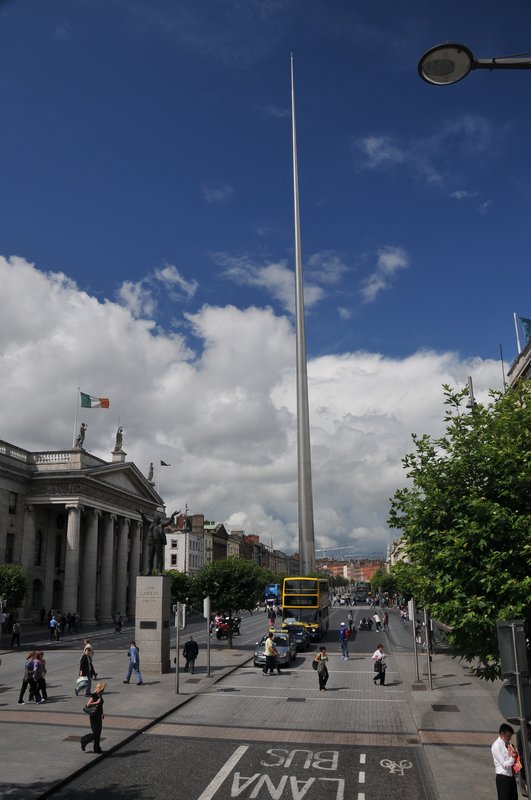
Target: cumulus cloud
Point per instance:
(390, 259)
(274, 277)
(224, 417)
(142, 298)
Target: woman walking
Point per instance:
(29, 680)
(322, 672)
(379, 665)
(95, 709)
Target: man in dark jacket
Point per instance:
(190, 652)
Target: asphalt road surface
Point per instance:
(154, 765)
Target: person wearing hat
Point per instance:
(343, 640)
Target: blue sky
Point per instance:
(145, 156)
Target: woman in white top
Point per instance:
(379, 665)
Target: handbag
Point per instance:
(517, 766)
(315, 665)
(90, 710)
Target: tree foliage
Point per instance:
(13, 585)
(233, 584)
(181, 586)
(466, 521)
(383, 582)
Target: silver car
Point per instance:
(285, 645)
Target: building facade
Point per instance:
(78, 525)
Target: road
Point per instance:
(276, 737)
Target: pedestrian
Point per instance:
(86, 669)
(190, 653)
(53, 628)
(28, 680)
(271, 654)
(322, 671)
(42, 613)
(343, 641)
(520, 746)
(504, 754)
(15, 634)
(379, 665)
(377, 621)
(94, 708)
(403, 617)
(385, 621)
(119, 624)
(39, 675)
(134, 664)
(350, 622)
(272, 617)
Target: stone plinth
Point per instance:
(152, 628)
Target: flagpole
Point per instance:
(75, 417)
(503, 369)
(517, 333)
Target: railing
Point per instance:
(14, 452)
(45, 457)
(59, 457)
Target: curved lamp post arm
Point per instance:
(449, 63)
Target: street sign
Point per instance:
(508, 703)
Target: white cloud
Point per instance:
(390, 259)
(275, 277)
(462, 194)
(170, 276)
(484, 207)
(137, 297)
(344, 313)
(469, 136)
(215, 192)
(225, 418)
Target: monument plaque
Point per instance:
(152, 622)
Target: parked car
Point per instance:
(285, 644)
(298, 633)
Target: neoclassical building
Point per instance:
(78, 525)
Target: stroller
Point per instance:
(363, 625)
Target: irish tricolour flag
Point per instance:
(87, 401)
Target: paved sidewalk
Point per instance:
(455, 722)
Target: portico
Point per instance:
(78, 525)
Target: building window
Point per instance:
(174, 560)
(13, 502)
(37, 556)
(10, 546)
(174, 543)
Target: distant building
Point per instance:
(520, 369)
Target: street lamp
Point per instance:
(449, 63)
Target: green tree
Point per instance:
(383, 582)
(13, 585)
(466, 520)
(233, 585)
(181, 586)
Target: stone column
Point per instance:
(120, 597)
(89, 568)
(71, 583)
(134, 565)
(107, 570)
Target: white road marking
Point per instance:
(224, 772)
(361, 777)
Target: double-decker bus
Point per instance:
(306, 600)
(362, 591)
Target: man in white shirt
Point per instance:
(504, 755)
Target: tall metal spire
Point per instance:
(304, 461)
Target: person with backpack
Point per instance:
(343, 640)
